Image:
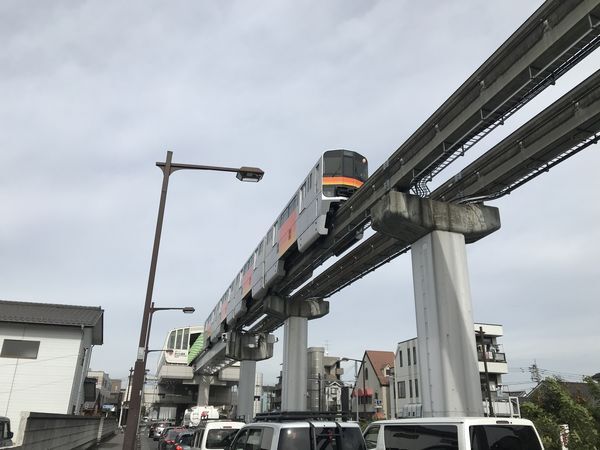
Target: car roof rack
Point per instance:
(281, 416)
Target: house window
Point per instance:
(408, 356)
(400, 357)
(401, 389)
(12, 348)
(414, 356)
(410, 391)
(366, 374)
(416, 388)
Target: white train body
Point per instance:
(334, 178)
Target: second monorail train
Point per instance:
(333, 179)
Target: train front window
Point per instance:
(343, 172)
(344, 163)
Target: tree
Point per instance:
(551, 405)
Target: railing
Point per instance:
(492, 356)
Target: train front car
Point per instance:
(344, 171)
(338, 174)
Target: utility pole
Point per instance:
(126, 399)
(487, 374)
(535, 372)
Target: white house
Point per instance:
(45, 351)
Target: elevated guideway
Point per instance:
(553, 40)
(562, 130)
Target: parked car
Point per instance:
(5, 434)
(453, 433)
(294, 431)
(167, 438)
(159, 428)
(214, 434)
(183, 440)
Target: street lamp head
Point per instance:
(188, 310)
(252, 174)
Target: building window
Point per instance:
(401, 389)
(410, 391)
(416, 388)
(408, 356)
(414, 356)
(12, 348)
(400, 357)
(366, 374)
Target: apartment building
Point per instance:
(407, 390)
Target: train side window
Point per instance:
(293, 203)
(186, 338)
(171, 344)
(178, 339)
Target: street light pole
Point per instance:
(362, 368)
(243, 174)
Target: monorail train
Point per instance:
(333, 179)
(179, 343)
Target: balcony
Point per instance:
(492, 357)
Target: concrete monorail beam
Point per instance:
(409, 217)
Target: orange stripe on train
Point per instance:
(342, 180)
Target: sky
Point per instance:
(93, 93)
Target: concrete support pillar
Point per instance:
(203, 389)
(450, 384)
(437, 232)
(246, 390)
(295, 343)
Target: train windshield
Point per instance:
(343, 173)
(344, 163)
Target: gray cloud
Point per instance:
(95, 92)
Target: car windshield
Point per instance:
(184, 438)
(421, 437)
(503, 437)
(219, 438)
(325, 438)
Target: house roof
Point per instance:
(380, 360)
(577, 390)
(53, 314)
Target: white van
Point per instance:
(453, 433)
(214, 434)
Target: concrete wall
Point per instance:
(39, 431)
(49, 383)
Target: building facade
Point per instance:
(45, 352)
(371, 394)
(406, 389)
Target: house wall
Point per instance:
(44, 384)
(406, 373)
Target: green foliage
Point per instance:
(554, 406)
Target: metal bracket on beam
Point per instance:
(313, 308)
(249, 346)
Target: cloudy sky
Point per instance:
(93, 93)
